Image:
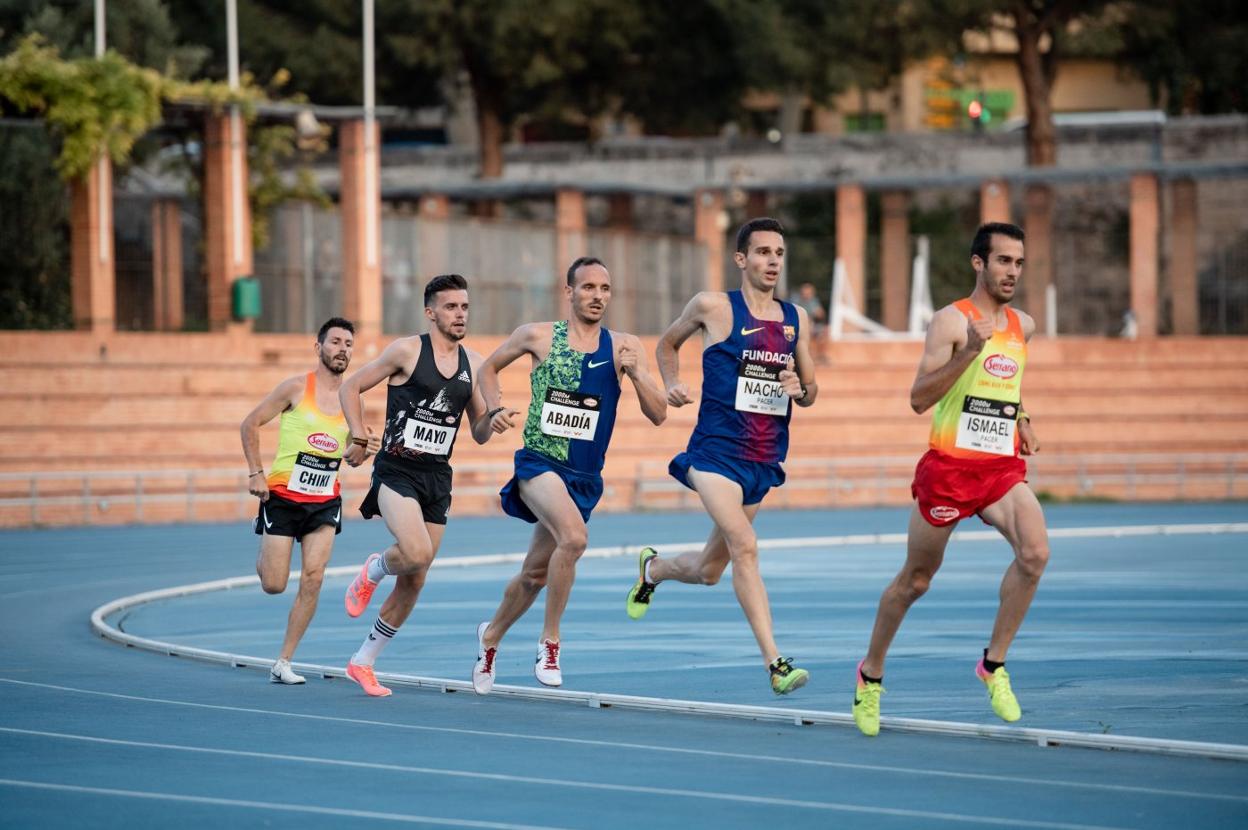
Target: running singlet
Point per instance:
(575, 395)
(423, 413)
(744, 414)
(978, 417)
(310, 445)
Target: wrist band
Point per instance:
(359, 442)
(1023, 416)
(256, 473)
(490, 415)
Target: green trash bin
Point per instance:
(246, 298)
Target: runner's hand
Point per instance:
(1028, 443)
(678, 394)
(355, 455)
(374, 442)
(258, 486)
(789, 381)
(627, 360)
(503, 420)
(978, 332)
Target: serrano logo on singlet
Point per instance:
(323, 441)
(998, 365)
(944, 513)
(764, 356)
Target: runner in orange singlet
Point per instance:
(972, 371)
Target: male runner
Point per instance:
(299, 500)
(972, 370)
(577, 367)
(755, 360)
(429, 385)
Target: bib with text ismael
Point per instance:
(978, 416)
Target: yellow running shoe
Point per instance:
(999, 692)
(785, 678)
(867, 704)
(639, 595)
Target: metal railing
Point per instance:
(142, 496)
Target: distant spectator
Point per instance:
(808, 299)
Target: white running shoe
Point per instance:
(284, 674)
(483, 671)
(547, 666)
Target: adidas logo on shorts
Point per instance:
(464, 377)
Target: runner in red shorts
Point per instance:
(972, 371)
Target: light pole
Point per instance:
(371, 164)
(105, 195)
(236, 150)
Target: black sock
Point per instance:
(867, 679)
(990, 666)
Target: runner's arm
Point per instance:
(667, 353)
(283, 397)
(805, 364)
(397, 358)
(522, 341)
(945, 357)
(631, 359)
(482, 426)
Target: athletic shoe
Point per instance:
(360, 591)
(639, 595)
(483, 671)
(284, 674)
(867, 704)
(999, 692)
(364, 676)
(547, 666)
(785, 678)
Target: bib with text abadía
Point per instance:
(429, 432)
(987, 426)
(758, 389)
(569, 414)
(313, 475)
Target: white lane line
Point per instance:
(272, 807)
(582, 785)
(707, 753)
(1043, 737)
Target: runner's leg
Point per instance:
(314, 552)
(1020, 519)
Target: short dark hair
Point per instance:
(762, 223)
(444, 282)
(579, 263)
(334, 323)
(981, 245)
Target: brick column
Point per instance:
(227, 214)
(708, 229)
(570, 238)
(1184, 289)
(93, 276)
(851, 239)
(1145, 221)
(994, 201)
(756, 204)
(1038, 251)
(433, 238)
(895, 259)
(360, 198)
(167, 264)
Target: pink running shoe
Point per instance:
(360, 591)
(365, 677)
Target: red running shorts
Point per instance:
(949, 489)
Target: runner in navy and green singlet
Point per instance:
(756, 362)
(577, 367)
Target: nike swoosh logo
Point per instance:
(594, 365)
(747, 332)
(338, 516)
(265, 513)
(857, 702)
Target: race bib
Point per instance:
(569, 414)
(987, 426)
(758, 389)
(430, 432)
(313, 475)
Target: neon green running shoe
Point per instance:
(867, 704)
(999, 692)
(785, 678)
(639, 595)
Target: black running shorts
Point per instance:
(283, 517)
(430, 487)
